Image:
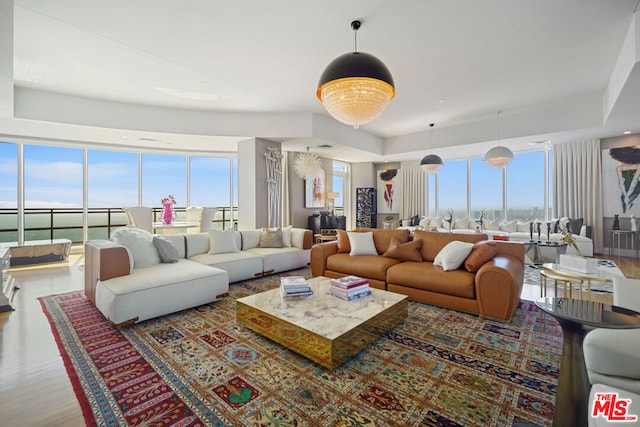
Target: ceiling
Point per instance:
(202, 75)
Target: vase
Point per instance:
(167, 214)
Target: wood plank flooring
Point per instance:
(34, 387)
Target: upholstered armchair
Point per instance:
(612, 356)
(140, 217)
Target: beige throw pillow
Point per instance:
(271, 238)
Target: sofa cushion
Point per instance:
(434, 241)
(382, 238)
(369, 266)
(426, 276)
(575, 225)
(481, 253)
(523, 226)
(286, 236)
(271, 238)
(453, 255)
(343, 242)
(461, 223)
(408, 251)
(361, 243)
(613, 352)
(166, 249)
(250, 238)
(493, 225)
(297, 237)
(509, 226)
(221, 242)
(140, 243)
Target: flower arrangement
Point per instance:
(169, 200)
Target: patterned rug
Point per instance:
(200, 367)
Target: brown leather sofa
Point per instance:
(493, 291)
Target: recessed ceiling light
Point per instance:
(626, 132)
(441, 100)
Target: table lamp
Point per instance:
(331, 204)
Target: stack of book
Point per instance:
(350, 287)
(294, 286)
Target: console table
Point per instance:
(319, 222)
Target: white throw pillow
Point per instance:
(435, 222)
(461, 224)
(361, 243)
(509, 226)
(453, 255)
(424, 222)
(140, 243)
(221, 242)
(297, 237)
(523, 226)
(494, 225)
(286, 236)
(250, 238)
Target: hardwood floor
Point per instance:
(34, 387)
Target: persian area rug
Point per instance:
(200, 367)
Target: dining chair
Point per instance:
(140, 217)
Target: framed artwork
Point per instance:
(314, 191)
(621, 181)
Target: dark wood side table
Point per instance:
(576, 318)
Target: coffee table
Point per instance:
(576, 318)
(323, 328)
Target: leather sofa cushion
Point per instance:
(481, 253)
(369, 266)
(433, 241)
(428, 277)
(408, 251)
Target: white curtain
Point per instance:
(577, 185)
(286, 214)
(414, 189)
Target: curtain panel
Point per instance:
(414, 189)
(577, 184)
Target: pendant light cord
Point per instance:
(431, 142)
(355, 25)
(498, 127)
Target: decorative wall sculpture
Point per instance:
(273, 157)
(621, 180)
(366, 207)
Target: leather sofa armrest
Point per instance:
(498, 286)
(307, 243)
(103, 260)
(319, 255)
(515, 249)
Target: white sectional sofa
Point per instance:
(127, 281)
(514, 231)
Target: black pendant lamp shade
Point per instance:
(431, 163)
(355, 87)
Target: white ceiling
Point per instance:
(546, 64)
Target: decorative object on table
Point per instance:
(273, 157)
(634, 225)
(499, 156)
(538, 229)
(355, 87)
(548, 232)
(431, 163)
(531, 231)
(314, 190)
(331, 204)
(350, 287)
(579, 264)
(387, 181)
(168, 213)
(450, 219)
(568, 238)
(307, 165)
(295, 287)
(481, 221)
(616, 222)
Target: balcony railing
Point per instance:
(67, 223)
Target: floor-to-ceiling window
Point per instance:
(210, 181)
(525, 186)
(452, 191)
(8, 192)
(340, 185)
(485, 189)
(53, 192)
(164, 175)
(112, 183)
